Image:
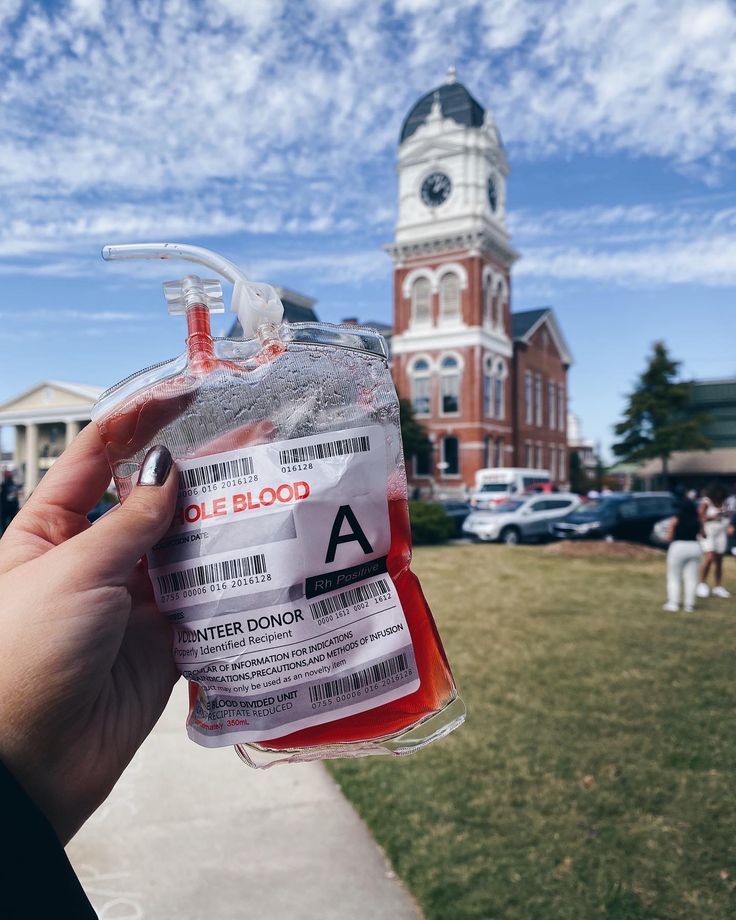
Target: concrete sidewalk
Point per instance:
(190, 833)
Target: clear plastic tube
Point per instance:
(182, 251)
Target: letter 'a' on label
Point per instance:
(274, 576)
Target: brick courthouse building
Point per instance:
(489, 385)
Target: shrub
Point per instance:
(429, 523)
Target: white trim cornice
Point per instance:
(437, 338)
(476, 242)
(47, 415)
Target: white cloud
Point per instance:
(634, 223)
(710, 263)
(179, 118)
(650, 77)
(328, 268)
(96, 316)
(638, 245)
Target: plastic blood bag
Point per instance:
(285, 572)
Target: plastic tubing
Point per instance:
(181, 251)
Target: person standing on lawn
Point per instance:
(8, 500)
(715, 520)
(683, 557)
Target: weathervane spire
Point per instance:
(451, 73)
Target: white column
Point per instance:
(18, 450)
(31, 458)
(72, 430)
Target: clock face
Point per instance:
(492, 196)
(436, 189)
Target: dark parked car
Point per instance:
(620, 516)
(457, 512)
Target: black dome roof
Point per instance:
(455, 102)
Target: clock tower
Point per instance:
(452, 257)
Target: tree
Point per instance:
(413, 433)
(656, 421)
(578, 479)
(599, 468)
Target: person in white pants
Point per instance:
(683, 557)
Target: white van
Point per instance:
(497, 485)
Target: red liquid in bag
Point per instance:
(135, 426)
(436, 689)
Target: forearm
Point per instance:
(35, 860)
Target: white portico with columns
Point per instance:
(45, 418)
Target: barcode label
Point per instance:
(355, 595)
(325, 450)
(215, 472)
(359, 680)
(211, 573)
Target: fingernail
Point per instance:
(155, 467)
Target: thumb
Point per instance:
(106, 552)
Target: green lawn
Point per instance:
(595, 774)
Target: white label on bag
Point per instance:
(274, 576)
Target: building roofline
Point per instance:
(548, 316)
(713, 380)
(86, 391)
(299, 300)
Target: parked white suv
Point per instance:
(528, 517)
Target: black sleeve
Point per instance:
(34, 865)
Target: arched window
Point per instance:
(499, 296)
(488, 300)
(420, 387)
(421, 301)
(538, 406)
(561, 413)
(489, 388)
(552, 404)
(451, 456)
(499, 452)
(499, 391)
(449, 297)
(450, 385)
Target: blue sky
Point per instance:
(268, 130)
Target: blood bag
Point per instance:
(285, 573)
